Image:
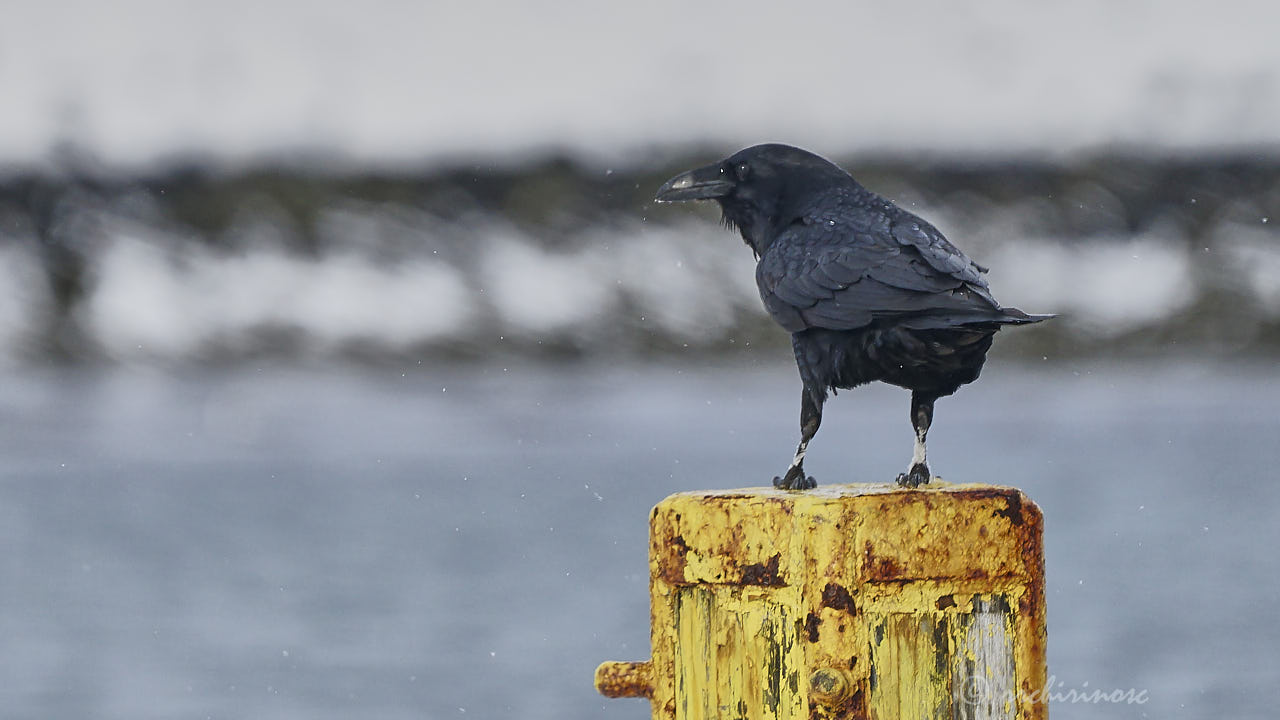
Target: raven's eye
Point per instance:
(742, 170)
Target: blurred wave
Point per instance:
(1136, 255)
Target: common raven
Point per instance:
(867, 290)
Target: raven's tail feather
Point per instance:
(962, 318)
(1014, 316)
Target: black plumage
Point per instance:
(867, 290)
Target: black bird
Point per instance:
(867, 290)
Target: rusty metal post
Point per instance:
(849, 601)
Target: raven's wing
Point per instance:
(842, 266)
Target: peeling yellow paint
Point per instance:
(851, 601)
(737, 654)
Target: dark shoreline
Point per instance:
(561, 205)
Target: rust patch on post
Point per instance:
(1012, 510)
(880, 568)
(853, 707)
(1031, 609)
(811, 624)
(762, 573)
(680, 545)
(837, 597)
(1012, 500)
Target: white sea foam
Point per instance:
(537, 293)
(1254, 263)
(149, 303)
(1102, 286)
(693, 282)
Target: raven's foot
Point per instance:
(795, 479)
(915, 477)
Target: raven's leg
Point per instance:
(810, 419)
(921, 417)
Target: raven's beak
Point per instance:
(704, 183)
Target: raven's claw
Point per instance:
(915, 477)
(795, 479)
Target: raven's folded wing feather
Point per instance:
(841, 270)
(934, 248)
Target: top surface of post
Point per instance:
(834, 492)
(876, 532)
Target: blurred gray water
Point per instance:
(444, 542)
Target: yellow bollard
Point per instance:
(849, 601)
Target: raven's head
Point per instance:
(760, 190)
